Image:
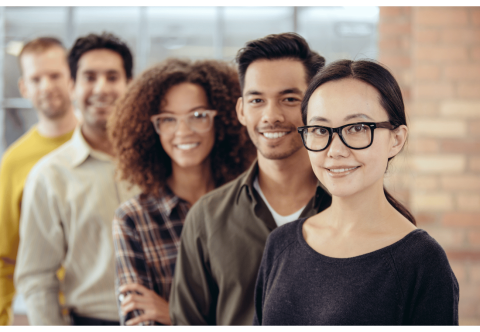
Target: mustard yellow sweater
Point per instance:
(16, 163)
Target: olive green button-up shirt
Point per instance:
(220, 252)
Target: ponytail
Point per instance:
(399, 207)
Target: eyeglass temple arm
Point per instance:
(385, 124)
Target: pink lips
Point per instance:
(340, 171)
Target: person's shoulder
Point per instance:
(283, 237)
(49, 164)
(218, 199)
(127, 212)
(421, 250)
(18, 148)
(136, 205)
(228, 191)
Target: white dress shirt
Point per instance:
(68, 206)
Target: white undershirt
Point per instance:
(279, 220)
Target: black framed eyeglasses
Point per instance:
(356, 136)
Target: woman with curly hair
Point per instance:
(176, 136)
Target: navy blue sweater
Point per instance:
(407, 283)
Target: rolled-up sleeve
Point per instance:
(41, 251)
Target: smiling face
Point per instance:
(186, 147)
(45, 81)
(270, 106)
(100, 81)
(342, 170)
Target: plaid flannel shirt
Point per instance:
(146, 235)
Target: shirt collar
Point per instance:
(246, 184)
(83, 150)
(322, 195)
(169, 200)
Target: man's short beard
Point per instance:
(57, 113)
(294, 147)
(281, 155)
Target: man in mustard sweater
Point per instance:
(45, 81)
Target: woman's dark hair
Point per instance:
(92, 42)
(383, 81)
(281, 46)
(141, 159)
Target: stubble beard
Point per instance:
(280, 152)
(53, 112)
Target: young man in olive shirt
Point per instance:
(226, 230)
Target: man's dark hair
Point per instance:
(281, 46)
(93, 42)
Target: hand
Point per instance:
(154, 307)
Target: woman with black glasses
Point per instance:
(362, 261)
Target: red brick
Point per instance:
(435, 91)
(468, 90)
(422, 145)
(442, 53)
(428, 108)
(474, 164)
(395, 60)
(462, 182)
(388, 44)
(459, 255)
(469, 291)
(475, 14)
(474, 129)
(467, 308)
(459, 270)
(426, 36)
(463, 72)
(449, 239)
(468, 202)
(460, 146)
(461, 219)
(475, 273)
(425, 218)
(465, 36)
(475, 53)
(394, 29)
(441, 16)
(427, 72)
(424, 182)
(474, 238)
(390, 11)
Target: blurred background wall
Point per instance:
(435, 55)
(155, 33)
(433, 52)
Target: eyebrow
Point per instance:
(348, 117)
(192, 110)
(108, 72)
(291, 90)
(281, 93)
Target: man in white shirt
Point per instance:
(70, 198)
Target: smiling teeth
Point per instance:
(340, 170)
(187, 146)
(274, 135)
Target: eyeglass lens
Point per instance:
(199, 122)
(356, 136)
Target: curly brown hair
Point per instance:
(141, 159)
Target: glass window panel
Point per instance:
(186, 32)
(340, 32)
(242, 24)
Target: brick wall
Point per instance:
(435, 55)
